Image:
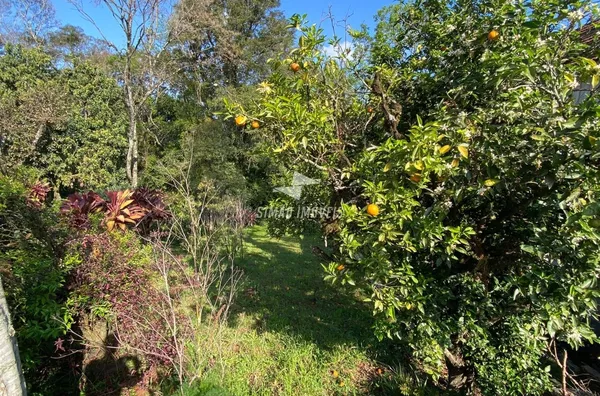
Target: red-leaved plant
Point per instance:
(37, 194)
(79, 207)
(139, 208)
(114, 273)
(122, 209)
(153, 203)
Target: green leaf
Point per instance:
(529, 74)
(531, 24)
(590, 62)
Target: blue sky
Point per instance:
(359, 11)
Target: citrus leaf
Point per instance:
(590, 62)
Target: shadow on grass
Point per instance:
(285, 290)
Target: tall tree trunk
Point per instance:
(132, 154)
(132, 151)
(11, 376)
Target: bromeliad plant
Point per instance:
(121, 210)
(79, 206)
(153, 202)
(138, 208)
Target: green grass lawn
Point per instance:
(291, 333)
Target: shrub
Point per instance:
(149, 294)
(483, 252)
(32, 269)
(115, 281)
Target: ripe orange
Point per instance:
(240, 120)
(373, 209)
(340, 267)
(255, 124)
(295, 67)
(416, 178)
(493, 35)
(369, 109)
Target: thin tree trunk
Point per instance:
(38, 135)
(134, 154)
(130, 140)
(11, 376)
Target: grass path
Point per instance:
(291, 333)
(285, 288)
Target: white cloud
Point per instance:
(334, 51)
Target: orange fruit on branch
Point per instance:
(255, 125)
(240, 120)
(373, 209)
(493, 35)
(294, 67)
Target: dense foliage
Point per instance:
(33, 274)
(68, 122)
(456, 152)
(482, 250)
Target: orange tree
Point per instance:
(462, 128)
(312, 118)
